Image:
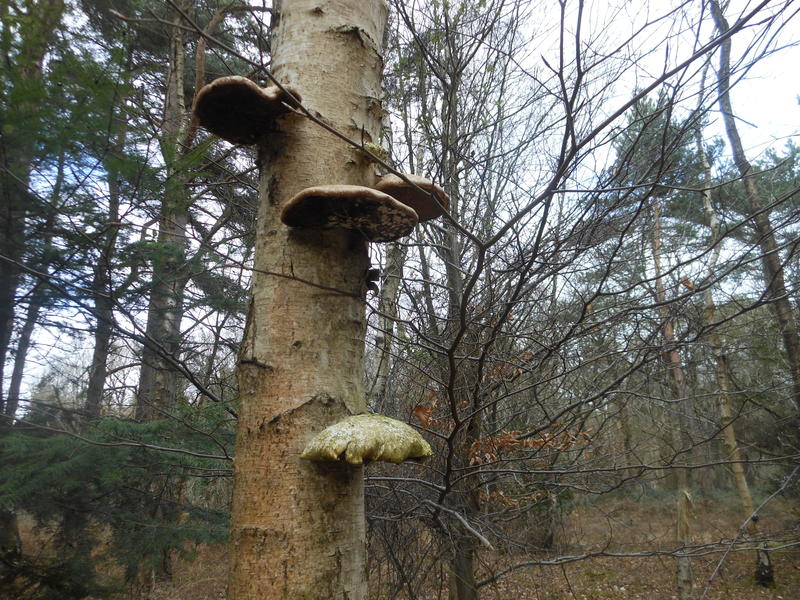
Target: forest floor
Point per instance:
(604, 578)
(615, 578)
(623, 526)
(626, 526)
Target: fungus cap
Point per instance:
(379, 216)
(421, 201)
(239, 110)
(367, 437)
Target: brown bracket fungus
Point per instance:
(379, 216)
(421, 201)
(367, 437)
(239, 110)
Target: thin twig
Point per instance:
(463, 521)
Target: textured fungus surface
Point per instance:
(379, 216)
(367, 437)
(239, 110)
(420, 199)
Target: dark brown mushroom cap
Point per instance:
(425, 206)
(378, 216)
(239, 110)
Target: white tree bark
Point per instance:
(297, 526)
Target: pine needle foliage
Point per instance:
(104, 504)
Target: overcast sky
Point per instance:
(766, 102)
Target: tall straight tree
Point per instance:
(680, 423)
(297, 528)
(772, 264)
(26, 35)
(722, 368)
(158, 381)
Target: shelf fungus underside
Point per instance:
(368, 437)
(379, 216)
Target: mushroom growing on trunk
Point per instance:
(239, 110)
(367, 437)
(379, 216)
(425, 197)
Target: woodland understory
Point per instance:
(598, 338)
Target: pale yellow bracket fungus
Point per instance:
(377, 150)
(367, 437)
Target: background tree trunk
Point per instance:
(158, 379)
(37, 298)
(298, 527)
(158, 391)
(32, 35)
(384, 337)
(722, 368)
(102, 281)
(680, 423)
(770, 257)
(17, 149)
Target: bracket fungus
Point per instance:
(240, 111)
(367, 437)
(419, 196)
(379, 216)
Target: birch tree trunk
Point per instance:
(764, 570)
(298, 528)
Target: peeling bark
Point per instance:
(298, 529)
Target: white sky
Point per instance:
(766, 102)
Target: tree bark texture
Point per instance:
(770, 257)
(298, 529)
